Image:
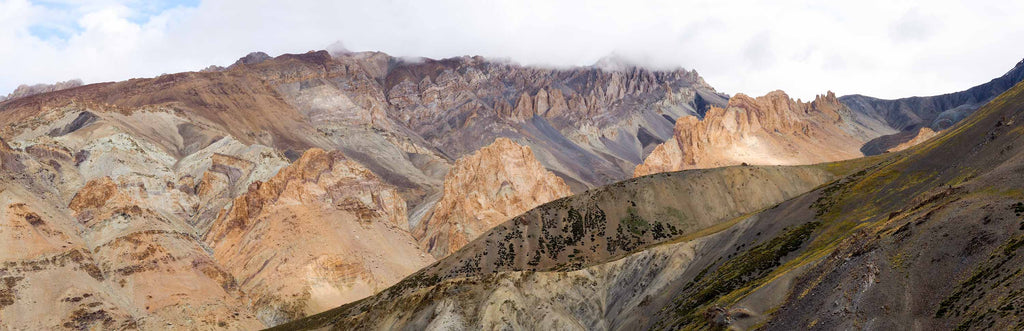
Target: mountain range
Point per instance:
(465, 192)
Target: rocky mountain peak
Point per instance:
(481, 190)
(770, 129)
(25, 90)
(327, 230)
(253, 58)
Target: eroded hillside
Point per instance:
(774, 129)
(600, 229)
(276, 188)
(484, 189)
(279, 187)
(877, 248)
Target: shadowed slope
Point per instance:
(935, 112)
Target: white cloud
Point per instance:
(875, 47)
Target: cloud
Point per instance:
(874, 47)
(758, 51)
(913, 26)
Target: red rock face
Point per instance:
(484, 189)
(94, 195)
(768, 130)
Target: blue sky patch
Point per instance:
(65, 24)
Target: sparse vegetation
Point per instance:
(634, 223)
(995, 272)
(733, 274)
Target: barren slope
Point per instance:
(471, 287)
(172, 153)
(915, 240)
(100, 260)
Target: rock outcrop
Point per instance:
(322, 232)
(772, 129)
(108, 256)
(588, 125)
(484, 189)
(922, 135)
(928, 238)
(30, 90)
(155, 262)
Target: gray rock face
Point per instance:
(936, 112)
(584, 123)
(590, 126)
(28, 90)
(252, 58)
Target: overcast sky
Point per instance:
(882, 48)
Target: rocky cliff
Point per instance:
(484, 189)
(857, 252)
(322, 232)
(587, 125)
(29, 90)
(775, 130)
(772, 129)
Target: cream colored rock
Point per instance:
(322, 232)
(484, 189)
(923, 134)
(768, 130)
(154, 262)
(111, 258)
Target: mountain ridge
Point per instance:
(829, 258)
(226, 179)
